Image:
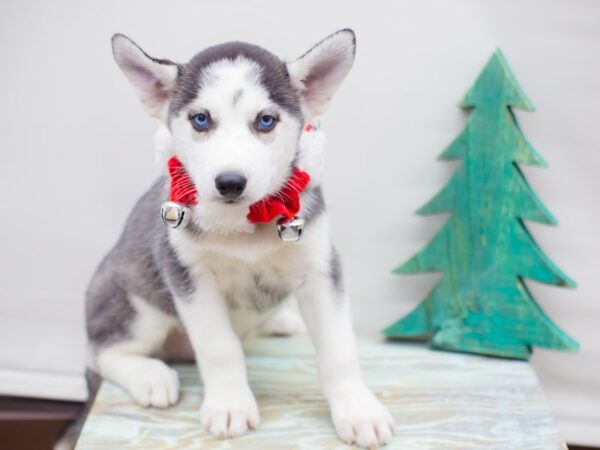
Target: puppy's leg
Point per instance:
(148, 380)
(357, 415)
(229, 408)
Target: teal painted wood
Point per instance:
(482, 304)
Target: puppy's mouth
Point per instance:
(232, 201)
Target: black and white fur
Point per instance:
(222, 277)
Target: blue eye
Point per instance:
(200, 121)
(266, 122)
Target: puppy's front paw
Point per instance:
(229, 414)
(360, 418)
(153, 383)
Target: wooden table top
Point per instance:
(439, 400)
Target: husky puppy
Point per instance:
(234, 114)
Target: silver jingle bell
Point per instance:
(290, 230)
(175, 214)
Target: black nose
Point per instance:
(230, 184)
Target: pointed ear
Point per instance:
(153, 79)
(317, 74)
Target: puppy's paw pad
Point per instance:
(231, 417)
(154, 384)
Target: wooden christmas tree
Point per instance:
(482, 304)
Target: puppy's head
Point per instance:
(235, 111)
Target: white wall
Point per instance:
(77, 151)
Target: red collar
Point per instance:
(284, 203)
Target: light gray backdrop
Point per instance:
(77, 151)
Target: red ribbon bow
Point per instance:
(183, 189)
(285, 202)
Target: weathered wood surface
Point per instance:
(481, 304)
(439, 400)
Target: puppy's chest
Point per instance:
(253, 272)
(254, 287)
(252, 292)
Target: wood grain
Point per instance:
(439, 400)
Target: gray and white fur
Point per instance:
(234, 116)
